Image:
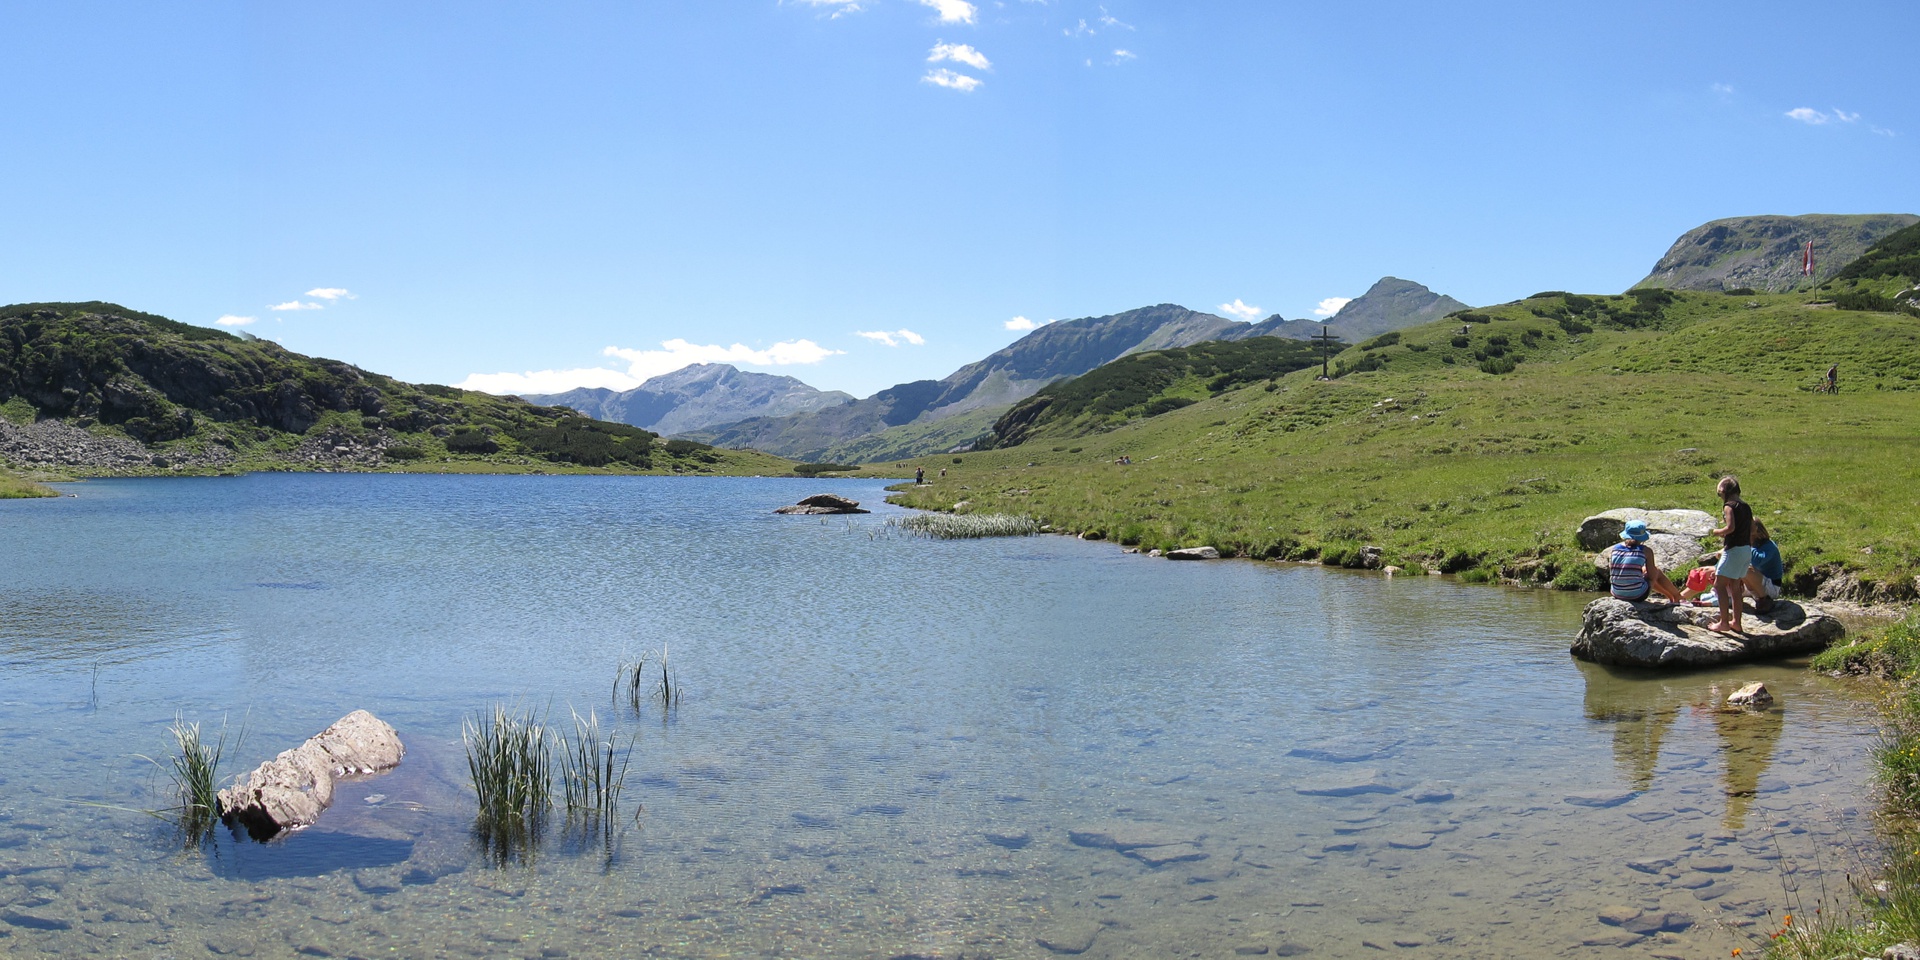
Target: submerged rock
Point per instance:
(1603, 529)
(293, 789)
(821, 503)
(1625, 634)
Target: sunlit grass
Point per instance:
(511, 765)
(593, 772)
(946, 526)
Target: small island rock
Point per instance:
(1626, 634)
(1193, 553)
(823, 503)
(1754, 694)
(293, 789)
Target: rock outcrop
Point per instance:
(1625, 634)
(1603, 530)
(293, 789)
(822, 503)
(1764, 253)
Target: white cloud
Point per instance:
(892, 338)
(1080, 31)
(839, 8)
(1883, 131)
(1022, 323)
(677, 353)
(1845, 117)
(1724, 89)
(548, 381)
(952, 11)
(232, 321)
(332, 293)
(959, 53)
(1807, 115)
(296, 305)
(1331, 306)
(952, 81)
(1107, 20)
(1122, 56)
(1241, 309)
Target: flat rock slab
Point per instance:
(823, 503)
(1601, 798)
(1350, 784)
(1070, 938)
(1625, 634)
(1160, 856)
(1125, 835)
(1193, 553)
(1604, 529)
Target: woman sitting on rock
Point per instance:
(1631, 571)
(1766, 571)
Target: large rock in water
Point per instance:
(1603, 530)
(821, 503)
(1627, 634)
(293, 789)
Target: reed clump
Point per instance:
(511, 763)
(630, 683)
(972, 526)
(593, 772)
(195, 771)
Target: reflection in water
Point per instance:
(1643, 708)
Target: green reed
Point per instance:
(510, 761)
(668, 691)
(195, 773)
(593, 771)
(630, 679)
(972, 526)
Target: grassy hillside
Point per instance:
(1480, 452)
(1148, 384)
(95, 388)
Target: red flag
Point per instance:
(1806, 261)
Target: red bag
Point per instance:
(1700, 578)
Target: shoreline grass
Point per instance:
(14, 487)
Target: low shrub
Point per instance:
(403, 453)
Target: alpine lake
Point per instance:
(886, 746)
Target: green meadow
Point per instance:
(1593, 403)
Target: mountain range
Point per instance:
(696, 396)
(1765, 253)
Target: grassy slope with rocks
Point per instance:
(1611, 401)
(97, 389)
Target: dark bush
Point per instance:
(1474, 318)
(403, 453)
(1544, 294)
(1497, 365)
(816, 469)
(1739, 292)
(1461, 342)
(468, 440)
(1573, 326)
(1387, 339)
(1166, 405)
(678, 447)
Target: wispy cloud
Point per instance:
(296, 305)
(232, 321)
(331, 294)
(952, 81)
(643, 365)
(892, 338)
(959, 53)
(1022, 323)
(1082, 30)
(1241, 309)
(1121, 56)
(835, 9)
(1331, 306)
(1723, 89)
(1107, 20)
(1845, 117)
(1808, 115)
(952, 11)
(1883, 131)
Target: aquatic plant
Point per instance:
(668, 692)
(593, 771)
(195, 771)
(509, 759)
(947, 526)
(630, 679)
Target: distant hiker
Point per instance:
(1833, 379)
(1764, 576)
(919, 475)
(1736, 556)
(1631, 571)
(943, 473)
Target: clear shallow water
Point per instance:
(887, 747)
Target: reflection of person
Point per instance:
(1767, 570)
(1736, 555)
(1631, 571)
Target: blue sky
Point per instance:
(524, 197)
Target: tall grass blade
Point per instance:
(511, 765)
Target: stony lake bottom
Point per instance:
(887, 746)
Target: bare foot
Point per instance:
(1717, 627)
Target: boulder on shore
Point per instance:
(293, 789)
(1603, 530)
(1194, 553)
(1625, 634)
(1673, 553)
(821, 503)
